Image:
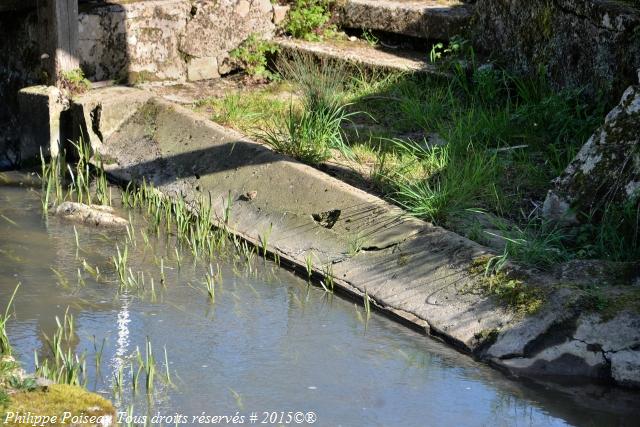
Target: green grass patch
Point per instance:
(307, 135)
(310, 131)
(501, 139)
(506, 138)
(247, 111)
(453, 185)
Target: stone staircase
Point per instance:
(415, 23)
(425, 19)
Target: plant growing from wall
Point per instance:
(307, 19)
(252, 55)
(456, 48)
(74, 81)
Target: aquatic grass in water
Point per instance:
(75, 233)
(308, 260)
(81, 180)
(120, 263)
(118, 380)
(62, 279)
(131, 233)
(163, 278)
(367, 304)
(63, 366)
(210, 284)
(55, 172)
(97, 352)
(327, 280)
(52, 174)
(264, 241)
(148, 365)
(166, 365)
(189, 221)
(5, 345)
(135, 376)
(103, 191)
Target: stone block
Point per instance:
(280, 13)
(607, 167)
(40, 109)
(202, 69)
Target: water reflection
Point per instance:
(269, 342)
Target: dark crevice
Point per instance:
(327, 219)
(375, 248)
(95, 115)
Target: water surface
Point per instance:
(269, 342)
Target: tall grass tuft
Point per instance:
(310, 131)
(5, 345)
(454, 183)
(63, 366)
(308, 135)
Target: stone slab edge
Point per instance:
(416, 19)
(356, 54)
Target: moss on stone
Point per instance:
(608, 301)
(56, 400)
(514, 293)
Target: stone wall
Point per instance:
(167, 39)
(591, 43)
(130, 41)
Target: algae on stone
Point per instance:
(60, 400)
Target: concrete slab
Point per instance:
(361, 54)
(105, 110)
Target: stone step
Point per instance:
(426, 19)
(361, 54)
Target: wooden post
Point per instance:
(58, 23)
